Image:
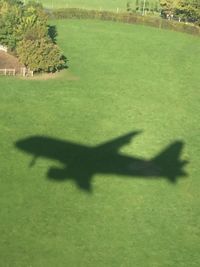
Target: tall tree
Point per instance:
(168, 6)
(24, 30)
(40, 55)
(188, 10)
(10, 14)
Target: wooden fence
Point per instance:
(10, 72)
(26, 72)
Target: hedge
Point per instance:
(132, 18)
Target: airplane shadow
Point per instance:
(81, 162)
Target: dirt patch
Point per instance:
(8, 61)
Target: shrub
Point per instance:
(40, 55)
(24, 29)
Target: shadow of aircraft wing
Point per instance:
(115, 144)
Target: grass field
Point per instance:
(121, 78)
(90, 4)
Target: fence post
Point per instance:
(160, 24)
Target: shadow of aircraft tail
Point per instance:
(169, 162)
(81, 162)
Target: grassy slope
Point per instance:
(89, 4)
(130, 78)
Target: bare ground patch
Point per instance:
(8, 61)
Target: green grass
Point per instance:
(128, 78)
(90, 4)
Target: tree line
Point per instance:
(25, 32)
(185, 10)
(141, 6)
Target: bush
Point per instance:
(40, 55)
(24, 30)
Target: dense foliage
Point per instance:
(187, 10)
(24, 30)
(10, 16)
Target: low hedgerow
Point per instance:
(133, 18)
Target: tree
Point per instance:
(188, 10)
(128, 6)
(32, 25)
(24, 30)
(40, 55)
(167, 7)
(10, 14)
(137, 5)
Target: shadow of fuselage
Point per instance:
(81, 162)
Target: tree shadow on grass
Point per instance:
(81, 162)
(52, 32)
